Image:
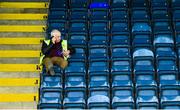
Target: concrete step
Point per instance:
(27, 89)
(13, 10)
(22, 34)
(23, 22)
(18, 105)
(19, 74)
(19, 60)
(20, 47)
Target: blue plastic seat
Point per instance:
(140, 15)
(147, 97)
(143, 53)
(120, 40)
(98, 99)
(60, 25)
(55, 15)
(159, 4)
(176, 15)
(122, 97)
(74, 99)
(163, 40)
(55, 4)
(168, 80)
(76, 82)
(78, 14)
(141, 28)
(162, 27)
(170, 96)
(76, 67)
(50, 99)
(165, 52)
(51, 82)
(79, 55)
(98, 53)
(98, 27)
(98, 66)
(177, 26)
(119, 66)
(142, 40)
(78, 27)
(143, 65)
(119, 15)
(98, 39)
(160, 15)
(121, 80)
(119, 28)
(165, 65)
(79, 3)
(99, 14)
(120, 52)
(171, 107)
(120, 4)
(175, 4)
(78, 39)
(139, 3)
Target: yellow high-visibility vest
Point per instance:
(64, 47)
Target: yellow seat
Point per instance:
(19, 81)
(18, 16)
(24, 4)
(22, 28)
(20, 97)
(19, 53)
(23, 40)
(20, 68)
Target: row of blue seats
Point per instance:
(160, 4)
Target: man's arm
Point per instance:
(46, 48)
(71, 49)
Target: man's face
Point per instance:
(57, 37)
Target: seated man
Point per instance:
(55, 51)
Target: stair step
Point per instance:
(18, 105)
(20, 47)
(19, 97)
(24, 40)
(22, 28)
(16, 16)
(19, 82)
(22, 34)
(20, 68)
(24, 10)
(19, 53)
(24, 5)
(19, 75)
(23, 22)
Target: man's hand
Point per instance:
(66, 53)
(53, 40)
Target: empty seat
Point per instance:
(98, 27)
(119, 15)
(143, 53)
(78, 14)
(74, 99)
(78, 39)
(139, 15)
(160, 15)
(163, 40)
(120, 52)
(98, 14)
(55, 15)
(78, 27)
(79, 3)
(165, 52)
(54, 4)
(142, 40)
(139, 3)
(98, 53)
(51, 82)
(122, 4)
(98, 66)
(98, 39)
(160, 4)
(162, 27)
(175, 4)
(147, 97)
(60, 25)
(170, 96)
(119, 66)
(122, 97)
(50, 99)
(98, 99)
(119, 28)
(143, 65)
(141, 28)
(120, 40)
(79, 55)
(168, 80)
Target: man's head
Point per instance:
(56, 35)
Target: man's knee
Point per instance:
(64, 64)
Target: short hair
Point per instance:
(55, 31)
